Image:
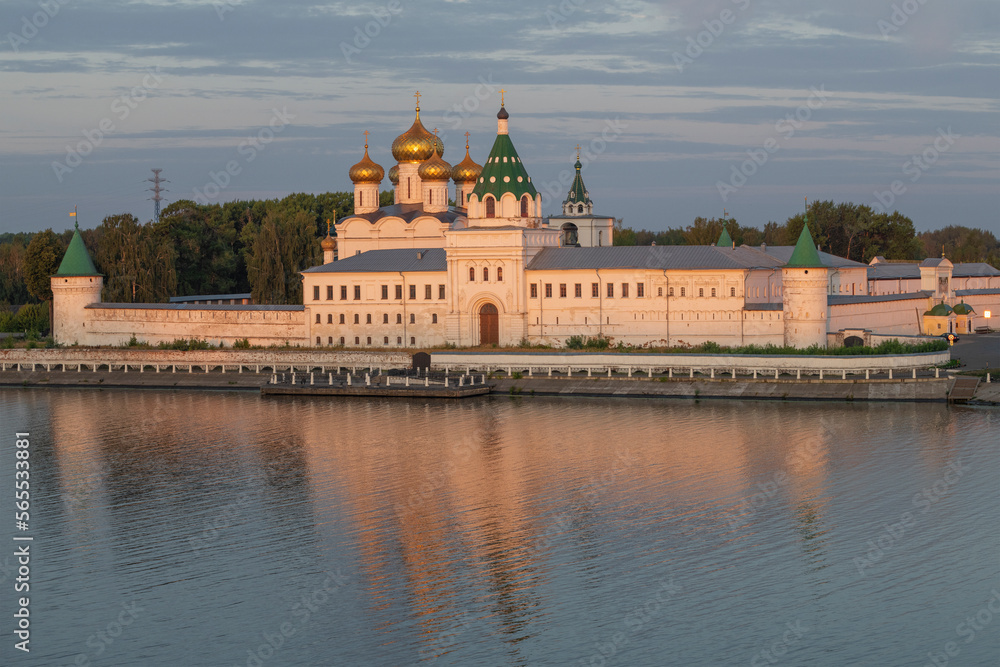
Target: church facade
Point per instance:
(490, 269)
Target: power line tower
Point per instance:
(156, 190)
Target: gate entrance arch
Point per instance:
(489, 325)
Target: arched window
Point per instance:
(317, 318)
(671, 291)
(524, 206)
(341, 318)
(701, 291)
(434, 318)
(579, 208)
(329, 320)
(341, 340)
(713, 291)
(385, 318)
(385, 340)
(486, 274)
(399, 318)
(732, 291)
(683, 290)
(355, 318)
(472, 274)
(491, 207)
(499, 274)
(413, 318)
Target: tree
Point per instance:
(264, 266)
(137, 260)
(41, 261)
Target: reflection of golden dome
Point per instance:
(394, 174)
(466, 171)
(416, 144)
(366, 171)
(434, 169)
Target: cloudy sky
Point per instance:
(683, 108)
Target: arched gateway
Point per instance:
(489, 325)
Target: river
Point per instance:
(219, 528)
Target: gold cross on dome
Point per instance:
(417, 95)
(435, 131)
(328, 225)
(366, 138)
(467, 135)
(578, 151)
(502, 91)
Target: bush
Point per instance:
(7, 342)
(575, 342)
(32, 317)
(241, 344)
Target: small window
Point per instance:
(486, 274)
(413, 292)
(368, 318)
(357, 340)
(659, 291)
(385, 318)
(732, 291)
(683, 291)
(441, 292)
(315, 292)
(562, 290)
(342, 318)
(329, 292)
(548, 290)
(369, 340)
(317, 318)
(342, 341)
(385, 292)
(611, 290)
(578, 290)
(671, 292)
(413, 318)
(640, 290)
(713, 291)
(499, 275)
(317, 340)
(399, 292)
(357, 292)
(343, 292)
(413, 340)
(329, 340)
(356, 318)
(434, 318)
(329, 318)
(427, 292)
(624, 290)
(701, 291)
(524, 206)
(385, 340)
(399, 318)
(399, 340)
(595, 290)
(472, 274)
(534, 291)
(491, 207)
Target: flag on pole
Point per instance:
(72, 214)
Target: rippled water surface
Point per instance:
(199, 528)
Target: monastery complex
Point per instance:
(492, 270)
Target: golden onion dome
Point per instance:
(328, 243)
(434, 169)
(366, 171)
(466, 171)
(416, 144)
(394, 174)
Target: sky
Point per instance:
(683, 108)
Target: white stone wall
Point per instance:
(904, 316)
(70, 297)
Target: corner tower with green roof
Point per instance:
(76, 285)
(804, 294)
(504, 194)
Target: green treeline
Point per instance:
(260, 246)
(241, 246)
(846, 230)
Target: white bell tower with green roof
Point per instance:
(804, 284)
(504, 194)
(76, 285)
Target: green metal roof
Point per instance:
(805, 256)
(964, 309)
(76, 261)
(725, 240)
(504, 172)
(939, 310)
(578, 192)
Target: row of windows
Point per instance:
(368, 339)
(595, 290)
(368, 318)
(486, 274)
(701, 291)
(491, 206)
(428, 292)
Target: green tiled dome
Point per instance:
(76, 261)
